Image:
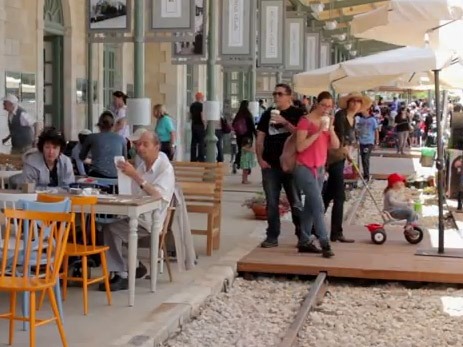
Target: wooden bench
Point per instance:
(202, 186)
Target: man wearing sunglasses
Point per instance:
(272, 131)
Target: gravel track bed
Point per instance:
(253, 314)
(383, 316)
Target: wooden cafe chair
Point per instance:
(83, 245)
(41, 234)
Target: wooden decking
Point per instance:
(395, 260)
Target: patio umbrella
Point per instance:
(407, 67)
(433, 23)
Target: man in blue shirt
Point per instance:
(367, 129)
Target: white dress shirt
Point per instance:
(160, 175)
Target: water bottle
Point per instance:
(418, 207)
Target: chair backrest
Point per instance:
(187, 175)
(84, 208)
(58, 206)
(13, 201)
(48, 243)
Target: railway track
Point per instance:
(315, 296)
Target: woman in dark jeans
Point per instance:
(344, 126)
(243, 126)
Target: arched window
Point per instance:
(53, 17)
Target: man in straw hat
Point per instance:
(21, 125)
(344, 126)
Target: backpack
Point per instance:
(226, 128)
(288, 156)
(240, 127)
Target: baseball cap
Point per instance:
(11, 98)
(137, 134)
(394, 178)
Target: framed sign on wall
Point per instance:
(192, 52)
(109, 16)
(271, 22)
(312, 51)
(237, 34)
(294, 44)
(172, 15)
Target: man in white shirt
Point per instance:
(154, 176)
(21, 125)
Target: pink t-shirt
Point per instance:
(315, 155)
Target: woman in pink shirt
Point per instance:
(315, 135)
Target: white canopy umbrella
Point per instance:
(434, 23)
(407, 67)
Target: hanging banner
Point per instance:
(236, 35)
(312, 61)
(271, 19)
(325, 54)
(184, 52)
(172, 15)
(108, 16)
(294, 44)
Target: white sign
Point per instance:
(312, 52)
(294, 44)
(324, 54)
(271, 42)
(236, 23)
(171, 9)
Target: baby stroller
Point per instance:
(378, 231)
(390, 139)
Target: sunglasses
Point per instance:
(279, 94)
(360, 101)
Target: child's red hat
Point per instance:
(394, 178)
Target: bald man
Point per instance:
(20, 124)
(154, 176)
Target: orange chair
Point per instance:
(45, 235)
(84, 206)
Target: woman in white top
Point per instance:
(119, 109)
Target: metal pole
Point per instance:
(89, 84)
(253, 72)
(439, 165)
(211, 139)
(139, 49)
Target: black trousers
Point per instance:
(166, 148)
(334, 191)
(198, 144)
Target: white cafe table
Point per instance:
(122, 205)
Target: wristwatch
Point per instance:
(143, 184)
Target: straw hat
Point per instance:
(344, 100)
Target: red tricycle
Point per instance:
(413, 234)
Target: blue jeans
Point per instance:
(273, 180)
(404, 213)
(313, 214)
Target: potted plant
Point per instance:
(258, 204)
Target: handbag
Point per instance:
(336, 155)
(288, 156)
